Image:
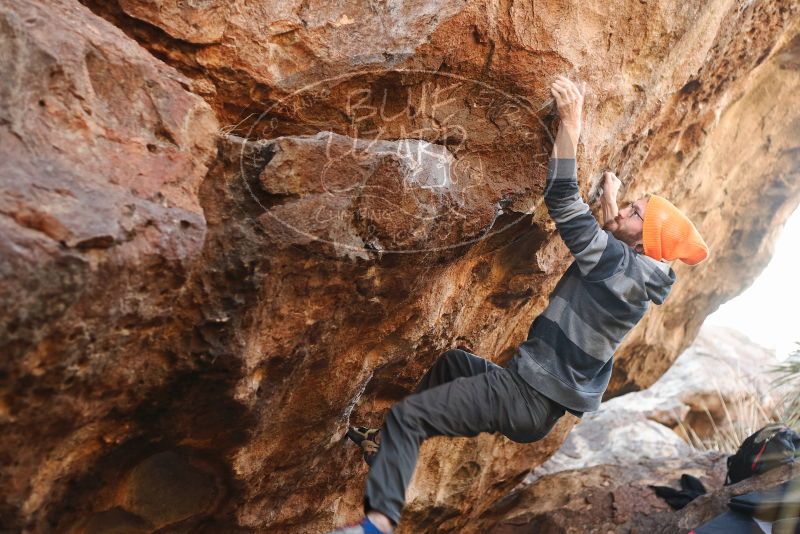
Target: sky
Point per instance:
(768, 312)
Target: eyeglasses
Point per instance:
(635, 211)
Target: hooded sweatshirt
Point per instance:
(606, 290)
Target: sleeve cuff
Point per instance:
(562, 169)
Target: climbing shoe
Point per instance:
(367, 439)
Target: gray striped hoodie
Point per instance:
(603, 294)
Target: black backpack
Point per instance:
(772, 446)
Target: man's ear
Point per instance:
(639, 247)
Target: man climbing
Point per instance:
(565, 363)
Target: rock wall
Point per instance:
(232, 228)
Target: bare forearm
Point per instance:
(569, 101)
(566, 143)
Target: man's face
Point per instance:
(629, 222)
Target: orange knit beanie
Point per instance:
(668, 234)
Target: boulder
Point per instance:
(103, 153)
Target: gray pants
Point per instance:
(462, 395)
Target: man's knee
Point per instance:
(405, 418)
(400, 412)
(413, 410)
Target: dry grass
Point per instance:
(743, 416)
(788, 378)
(747, 414)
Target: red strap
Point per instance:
(764, 446)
